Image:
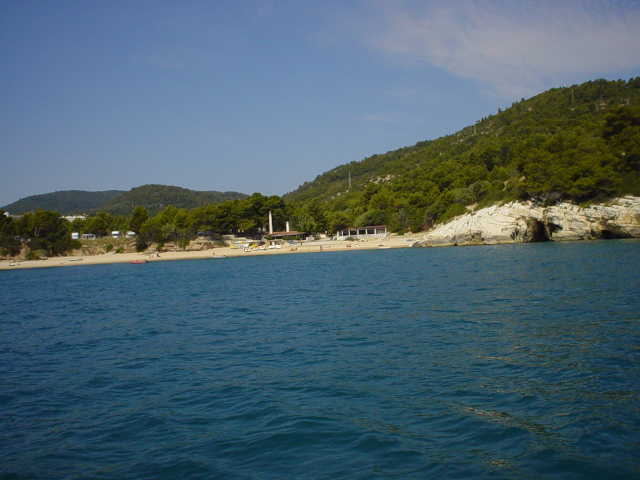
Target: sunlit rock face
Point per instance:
(528, 222)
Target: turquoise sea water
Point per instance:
(514, 361)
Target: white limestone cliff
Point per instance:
(528, 222)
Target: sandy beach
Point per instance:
(317, 246)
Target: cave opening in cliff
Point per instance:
(549, 230)
(612, 234)
(537, 231)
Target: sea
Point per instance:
(497, 362)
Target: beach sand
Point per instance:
(318, 246)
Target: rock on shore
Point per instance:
(528, 222)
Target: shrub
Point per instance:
(452, 211)
(109, 248)
(370, 217)
(141, 246)
(74, 245)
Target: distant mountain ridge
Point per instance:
(154, 198)
(66, 202)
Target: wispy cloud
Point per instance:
(512, 48)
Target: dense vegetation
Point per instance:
(116, 202)
(580, 144)
(154, 198)
(46, 233)
(67, 202)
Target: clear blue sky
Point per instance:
(261, 96)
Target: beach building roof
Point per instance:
(292, 233)
(373, 231)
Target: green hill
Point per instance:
(155, 198)
(65, 202)
(580, 143)
(117, 202)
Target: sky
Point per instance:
(261, 96)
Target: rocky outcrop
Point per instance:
(528, 222)
(129, 246)
(89, 249)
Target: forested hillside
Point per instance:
(155, 198)
(579, 143)
(66, 202)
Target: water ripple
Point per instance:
(497, 362)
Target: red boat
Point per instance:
(137, 261)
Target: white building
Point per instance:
(362, 233)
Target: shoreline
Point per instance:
(316, 246)
(499, 224)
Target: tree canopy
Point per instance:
(580, 144)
